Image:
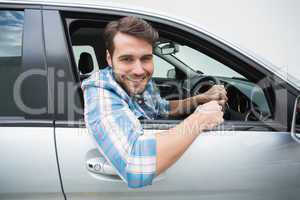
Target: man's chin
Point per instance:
(133, 88)
(136, 92)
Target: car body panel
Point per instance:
(28, 164)
(219, 165)
(226, 164)
(29, 167)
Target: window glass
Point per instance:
(161, 67)
(78, 49)
(246, 100)
(11, 31)
(203, 63)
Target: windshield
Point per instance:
(202, 63)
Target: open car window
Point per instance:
(177, 74)
(246, 100)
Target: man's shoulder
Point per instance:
(150, 88)
(104, 80)
(100, 78)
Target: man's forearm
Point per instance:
(186, 106)
(171, 144)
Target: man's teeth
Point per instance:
(136, 80)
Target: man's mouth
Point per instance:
(135, 85)
(136, 80)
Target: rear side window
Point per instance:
(11, 32)
(79, 49)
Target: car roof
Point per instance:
(117, 6)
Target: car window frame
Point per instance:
(32, 58)
(104, 15)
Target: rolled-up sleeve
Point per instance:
(120, 136)
(162, 105)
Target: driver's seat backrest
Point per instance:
(85, 65)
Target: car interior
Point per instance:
(249, 100)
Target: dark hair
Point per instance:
(132, 26)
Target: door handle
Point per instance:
(100, 166)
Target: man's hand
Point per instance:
(217, 93)
(180, 137)
(212, 114)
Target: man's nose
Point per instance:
(138, 69)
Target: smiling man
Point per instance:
(131, 62)
(121, 94)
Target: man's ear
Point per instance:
(108, 58)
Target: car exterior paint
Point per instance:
(52, 161)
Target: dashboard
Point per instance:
(246, 100)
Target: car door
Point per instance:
(249, 160)
(28, 168)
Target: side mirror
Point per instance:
(295, 128)
(167, 48)
(171, 74)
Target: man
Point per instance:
(116, 97)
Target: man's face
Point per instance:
(132, 62)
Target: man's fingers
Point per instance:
(223, 96)
(220, 107)
(219, 89)
(217, 92)
(221, 102)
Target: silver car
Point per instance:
(47, 49)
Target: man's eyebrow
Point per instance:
(128, 56)
(125, 56)
(147, 55)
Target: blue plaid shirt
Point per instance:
(111, 116)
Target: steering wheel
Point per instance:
(204, 83)
(254, 114)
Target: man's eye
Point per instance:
(146, 59)
(127, 59)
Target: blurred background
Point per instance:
(270, 28)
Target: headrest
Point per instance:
(85, 63)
